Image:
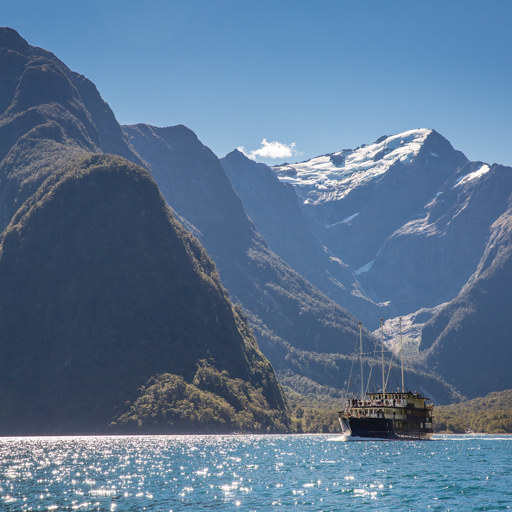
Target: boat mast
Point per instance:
(361, 357)
(382, 346)
(402, 356)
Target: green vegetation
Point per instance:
(105, 291)
(491, 414)
(313, 407)
(305, 392)
(101, 288)
(313, 420)
(212, 402)
(315, 410)
(310, 417)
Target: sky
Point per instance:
(290, 80)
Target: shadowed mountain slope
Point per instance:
(274, 208)
(429, 259)
(468, 341)
(101, 289)
(297, 327)
(195, 185)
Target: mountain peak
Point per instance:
(238, 162)
(333, 176)
(418, 135)
(236, 152)
(10, 39)
(178, 132)
(237, 156)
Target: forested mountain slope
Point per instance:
(102, 291)
(302, 331)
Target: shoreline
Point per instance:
(181, 435)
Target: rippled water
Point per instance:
(306, 472)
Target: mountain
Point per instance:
(48, 113)
(490, 414)
(427, 234)
(194, 184)
(112, 316)
(432, 256)
(472, 330)
(274, 208)
(303, 333)
(357, 200)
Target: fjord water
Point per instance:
(305, 472)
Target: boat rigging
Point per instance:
(384, 414)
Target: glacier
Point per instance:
(333, 176)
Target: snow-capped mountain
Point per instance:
(357, 201)
(427, 234)
(332, 177)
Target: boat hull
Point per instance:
(383, 428)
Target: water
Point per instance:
(243, 473)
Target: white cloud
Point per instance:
(272, 149)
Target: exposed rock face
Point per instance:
(429, 259)
(468, 341)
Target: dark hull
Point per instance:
(382, 428)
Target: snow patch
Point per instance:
(475, 175)
(332, 177)
(418, 227)
(364, 268)
(344, 221)
(412, 325)
(433, 200)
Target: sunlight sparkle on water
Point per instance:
(254, 473)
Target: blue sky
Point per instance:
(324, 75)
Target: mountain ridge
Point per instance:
(297, 327)
(274, 208)
(102, 291)
(442, 264)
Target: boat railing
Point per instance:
(379, 403)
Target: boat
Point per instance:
(386, 415)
